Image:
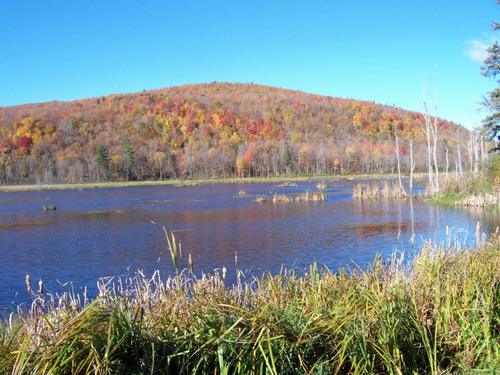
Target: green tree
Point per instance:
(287, 158)
(128, 156)
(102, 159)
(490, 69)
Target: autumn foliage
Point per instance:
(208, 130)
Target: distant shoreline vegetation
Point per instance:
(438, 315)
(193, 182)
(216, 130)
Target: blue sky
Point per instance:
(381, 51)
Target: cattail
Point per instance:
(190, 264)
(40, 286)
(28, 284)
(321, 186)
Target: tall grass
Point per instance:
(302, 197)
(377, 190)
(441, 315)
(294, 198)
(469, 190)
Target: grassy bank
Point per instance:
(440, 316)
(448, 199)
(189, 182)
(470, 191)
(475, 190)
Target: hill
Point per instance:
(204, 131)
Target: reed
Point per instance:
(304, 197)
(441, 315)
(377, 190)
(261, 199)
(467, 190)
(282, 198)
(480, 200)
(321, 186)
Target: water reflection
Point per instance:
(97, 233)
(394, 227)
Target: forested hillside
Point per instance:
(209, 130)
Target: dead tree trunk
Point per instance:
(399, 163)
(435, 138)
(473, 147)
(445, 145)
(412, 166)
(427, 132)
(431, 133)
(459, 155)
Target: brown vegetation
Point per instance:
(304, 197)
(438, 317)
(376, 190)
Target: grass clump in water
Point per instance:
(377, 190)
(261, 199)
(439, 316)
(304, 197)
(472, 191)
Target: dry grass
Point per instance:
(321, 186)
(467, 190)
(482, 200)
(304, 197)
(261, 199)
(442, 315)
(186, 182)
(377, 190)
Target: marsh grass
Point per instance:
(467, 190)
(377, 190)
(302, 197)
(194, 182)
(261, 199)
(321, 186)
(441, 315)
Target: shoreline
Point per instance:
(193, 182)
(178, 324)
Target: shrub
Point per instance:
(493, 171)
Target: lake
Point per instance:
(103, 232)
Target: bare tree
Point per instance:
(435, 138)
(431, 134)
(446, 154)
(399, 163)
(412, 166)
(427, 132)
(473, 149)
(459, 156)
(484, 153)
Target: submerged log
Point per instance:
(287, 184)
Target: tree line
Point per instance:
(217, 130)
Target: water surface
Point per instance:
(101, 232)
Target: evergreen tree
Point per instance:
(287, 158)
(490, 69)
(102, 158)
(128, 156)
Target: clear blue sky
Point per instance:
(381, 51)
